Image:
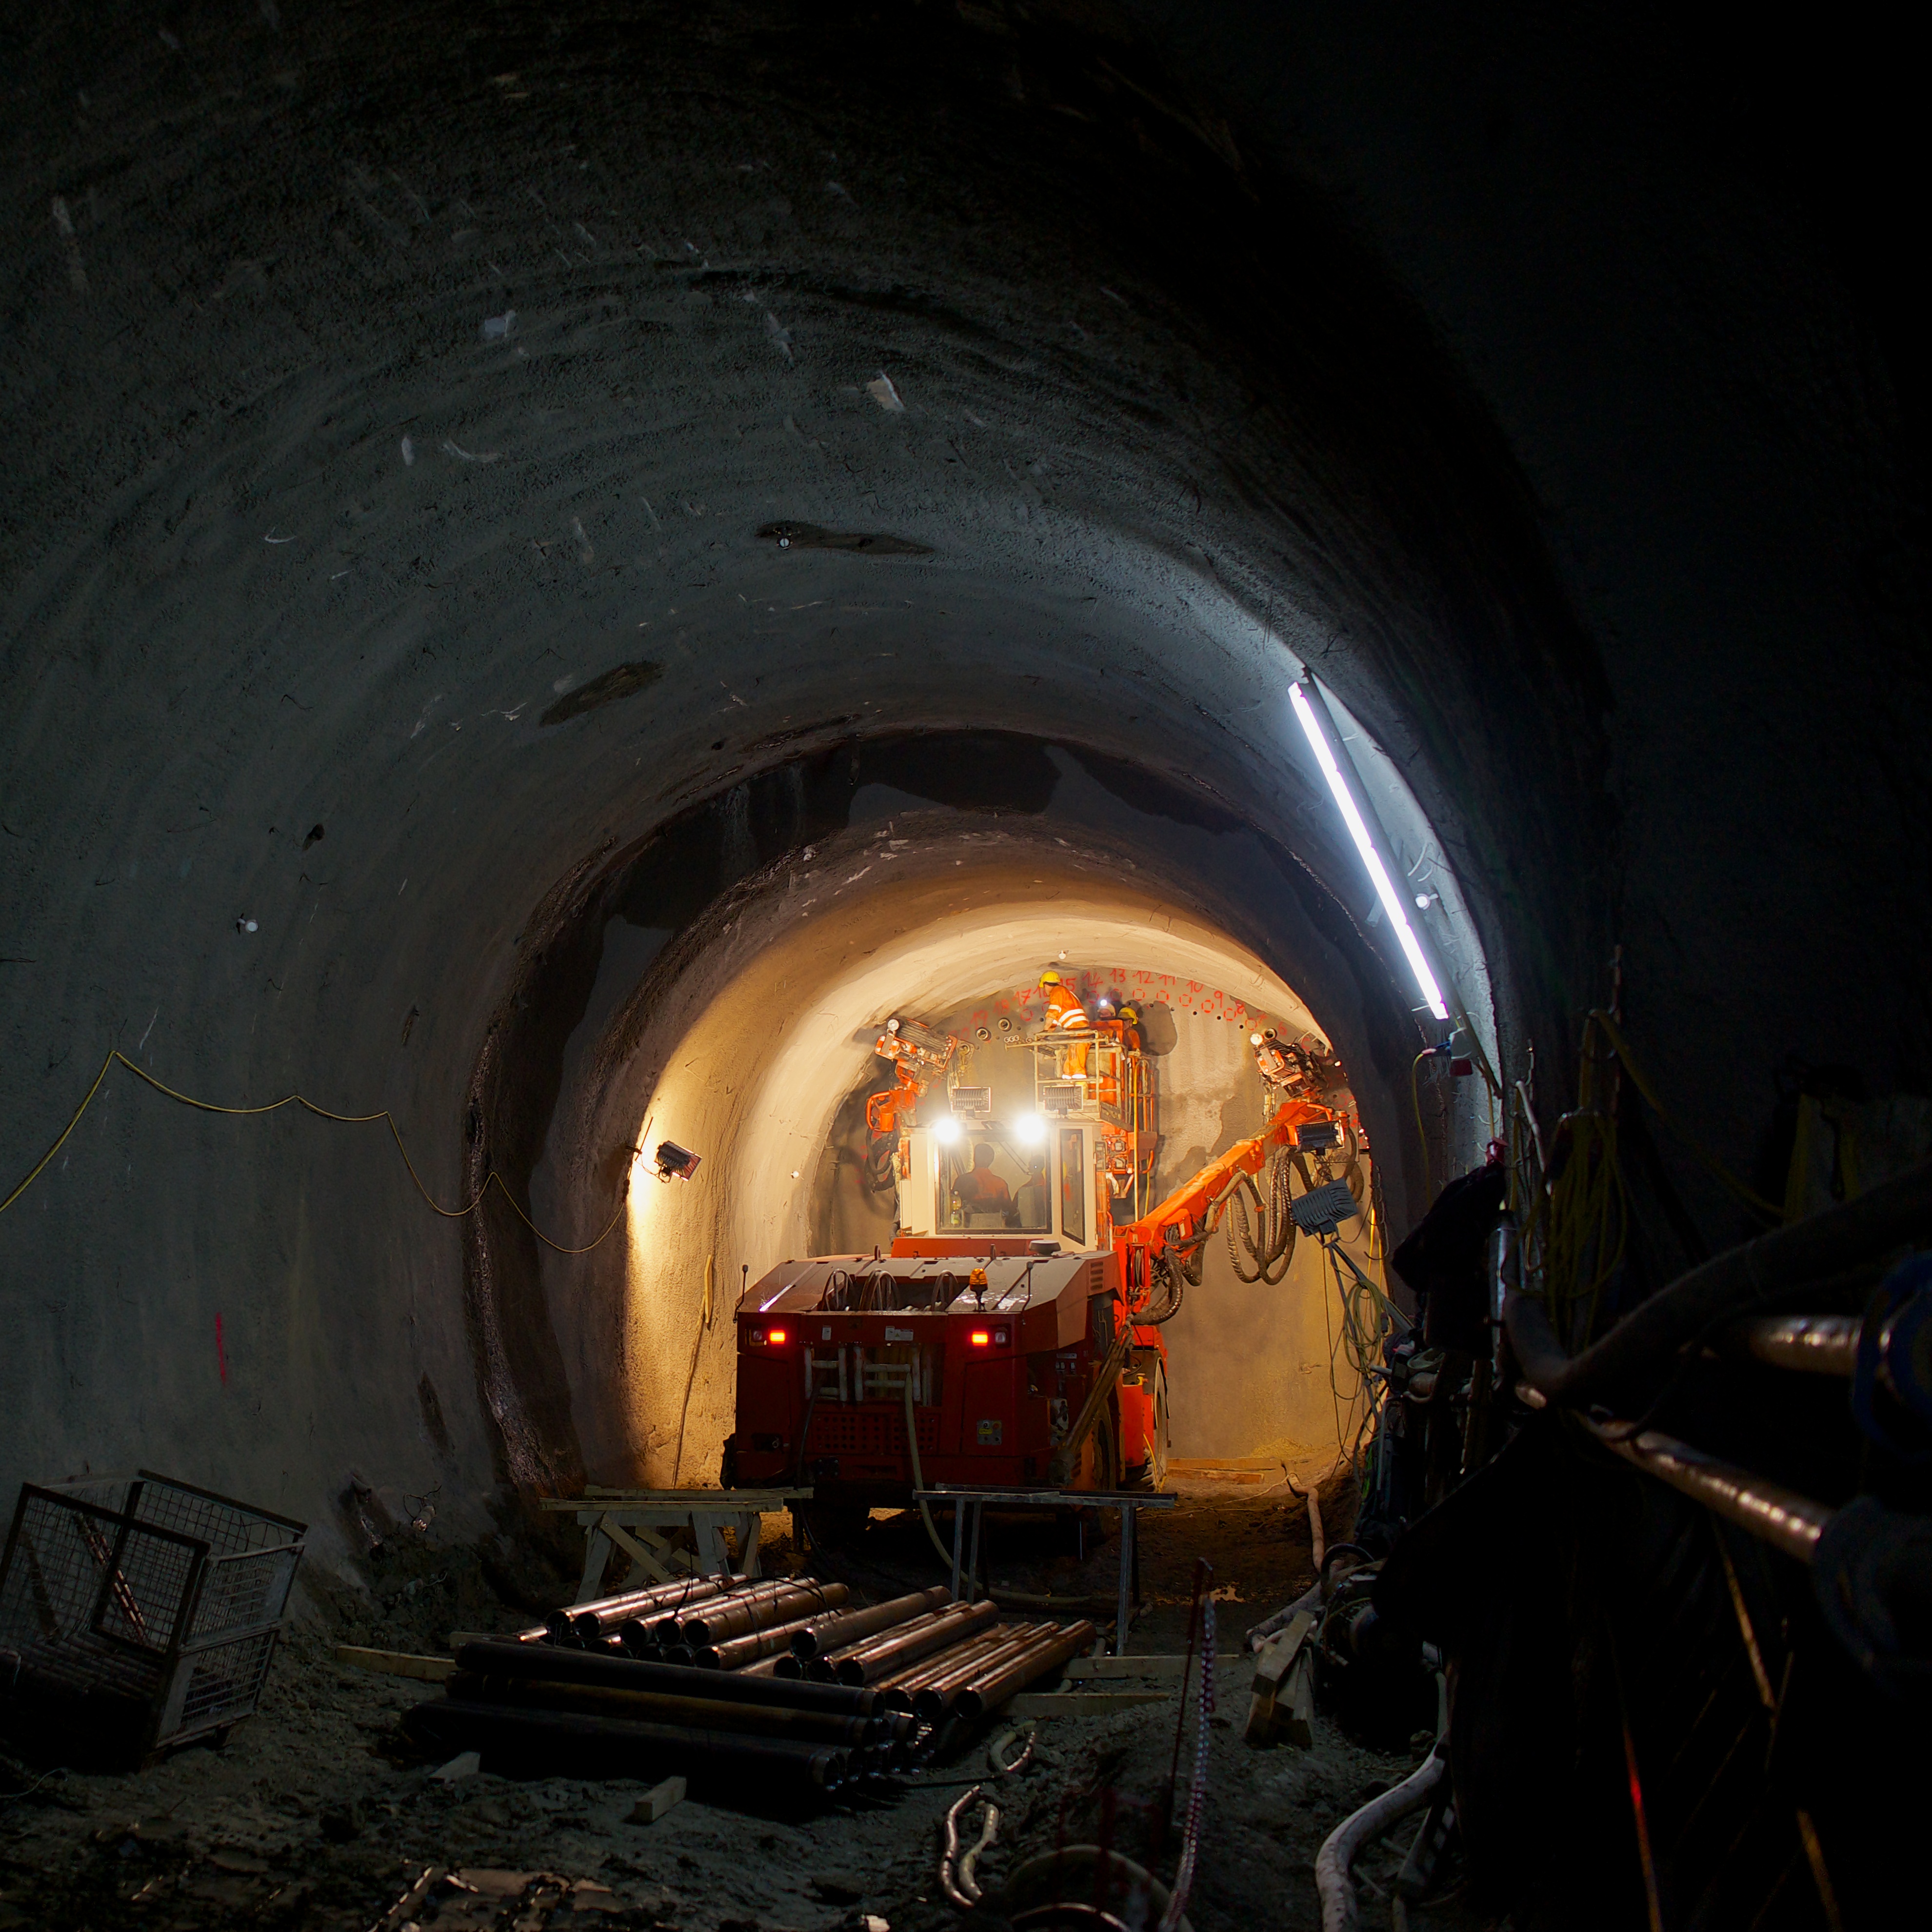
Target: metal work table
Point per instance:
(967, 1501)
(610, 1518)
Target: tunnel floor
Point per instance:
(318, 1813)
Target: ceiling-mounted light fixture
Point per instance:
(1311, 709)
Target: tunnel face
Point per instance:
(536, 542)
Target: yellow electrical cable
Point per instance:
(1749, 1196)
(1415, 1101)
(301, 1100)
(1573, 1231)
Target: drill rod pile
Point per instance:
(781, 1687)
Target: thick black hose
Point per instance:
(1894, 1213)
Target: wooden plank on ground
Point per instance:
(395, 1663)
(1259, 1728)
(1280, 1652)
(656, 1802)
(1081, 1703)
(1126, 1666)
(1270, 1707)
(1298, 1693)
(1195, 1465)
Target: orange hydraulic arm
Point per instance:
(883, 1110)
(1184, 1210)
(1180, 1216)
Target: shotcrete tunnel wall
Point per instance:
(395, 406)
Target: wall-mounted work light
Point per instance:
(674, 1162)
(1312, 710)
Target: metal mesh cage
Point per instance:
(147, 1606)
(226, 1527)
(224, 1681)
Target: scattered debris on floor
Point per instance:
(328, 1810)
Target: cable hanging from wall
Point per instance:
(492, 1179)
(1569, 1200)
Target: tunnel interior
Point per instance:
(564, 565)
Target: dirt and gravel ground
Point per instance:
(318, 1813)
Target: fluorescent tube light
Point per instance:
(1358, 830)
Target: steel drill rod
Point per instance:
(955, 1666)
(829, 1633)
(897, 1690)
(917, 1675)
(718, 1623)
(896, 1651)
(767, 1641)
(826, 1668)
(935, 1696)
(670, 1628)
(1005, 1680)
(655, 1707)
(602, 1613)
(570, 1744)
(540, 1663)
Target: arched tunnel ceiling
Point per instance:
(395, 408)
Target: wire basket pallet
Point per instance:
(138, 1613)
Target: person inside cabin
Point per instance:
(979, 1190)
(1033, 1200)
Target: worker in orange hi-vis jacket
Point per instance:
(1063, 1010)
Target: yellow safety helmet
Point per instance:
(1049, 978)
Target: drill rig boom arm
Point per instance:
(1184, 1214)
(1187, 1209)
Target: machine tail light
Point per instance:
(762, 1337)
(775, 1337)
(982, 1338)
